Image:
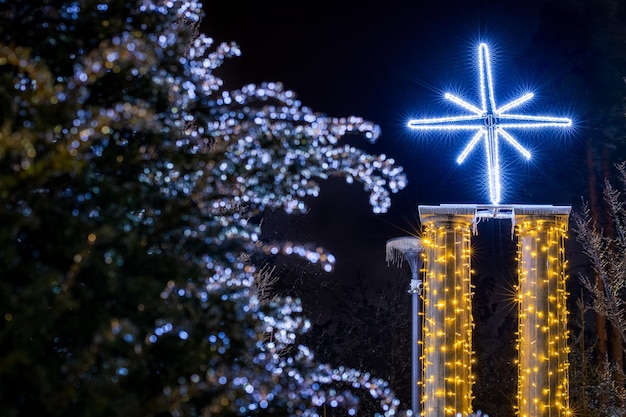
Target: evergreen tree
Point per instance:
(131, 184)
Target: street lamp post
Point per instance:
(410, 248)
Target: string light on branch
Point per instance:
(489, 121)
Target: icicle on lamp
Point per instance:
(409, 249)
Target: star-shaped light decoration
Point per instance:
(490, 121)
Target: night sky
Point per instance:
(388, 62)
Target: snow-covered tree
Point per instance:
(131, 184)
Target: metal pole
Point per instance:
(409, 248)
(415, 290)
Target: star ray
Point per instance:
(470, 146)
(447, 123)
(486, 80)
(517, 102)
(493, 165)
(515, 143)
(463, 103)
(538, 121)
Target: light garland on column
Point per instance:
(447, 359)
(543, 387)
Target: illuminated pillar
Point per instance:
(447, 353)
(542, 334)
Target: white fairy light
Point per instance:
(491, 122)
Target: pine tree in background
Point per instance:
(130, 185)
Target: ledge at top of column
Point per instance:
(448, 213)
(474, 213)
(499, 211)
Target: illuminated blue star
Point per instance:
(490, 122)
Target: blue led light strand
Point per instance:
(490, 121)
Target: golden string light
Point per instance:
(447, 357)
(542, 332)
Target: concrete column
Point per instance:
(447, 353)
(542, 344)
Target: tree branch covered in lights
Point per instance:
(129, 181)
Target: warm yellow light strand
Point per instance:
(448, 320)
(542, 337)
